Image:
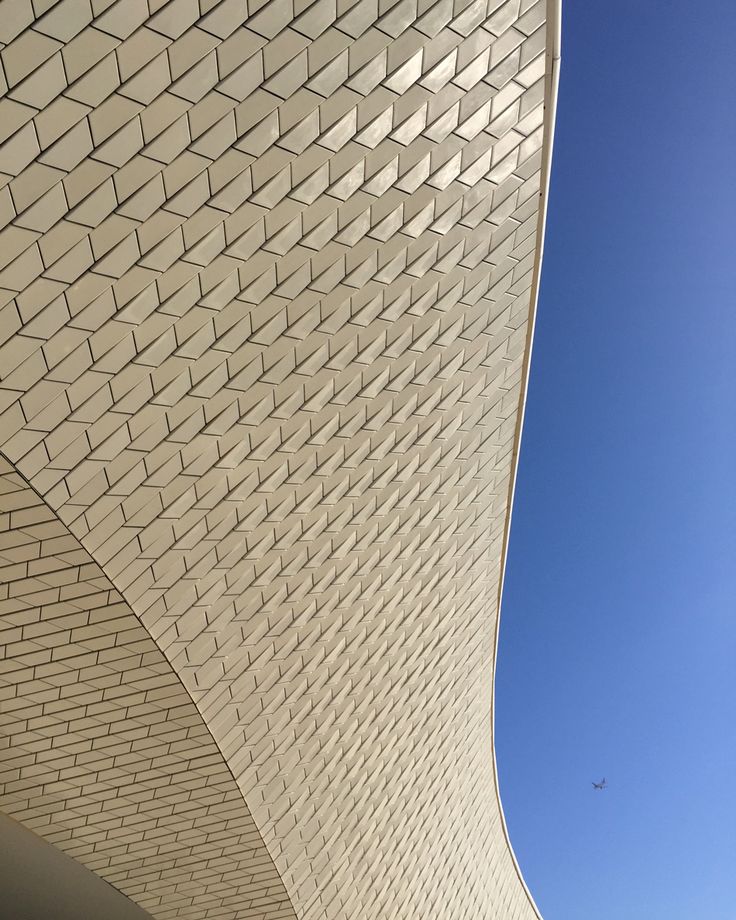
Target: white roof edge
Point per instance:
(552, 76)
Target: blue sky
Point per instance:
(618, 639)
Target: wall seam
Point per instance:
(176, 675)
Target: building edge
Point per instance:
(552, 78)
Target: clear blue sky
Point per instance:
(618, 639)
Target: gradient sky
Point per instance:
(618, 640)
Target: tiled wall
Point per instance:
(267, 271)
(102, 751)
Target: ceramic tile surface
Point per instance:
(105, 754)
(265, 283)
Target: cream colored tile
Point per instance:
(58, 118)
(270, 374)
(98, 83)
(121, 19)
(16, 16)
(13, 117)
(44, 84)
(25, 54)
(65, 19)
(86, 50)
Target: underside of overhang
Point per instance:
(269, 273)
(105, 754)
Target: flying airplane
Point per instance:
(601, 785)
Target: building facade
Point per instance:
(268, 274)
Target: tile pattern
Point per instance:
(103, 752)
(267, 270)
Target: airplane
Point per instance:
(601, 785)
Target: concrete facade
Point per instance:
(267, 274)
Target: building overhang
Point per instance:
(269, 274)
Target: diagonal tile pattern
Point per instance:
(265, 274)
(105, 754)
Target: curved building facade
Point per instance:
(268, 272)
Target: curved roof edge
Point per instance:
(552, 78)
(277, 628)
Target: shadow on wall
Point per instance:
(40, 882)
